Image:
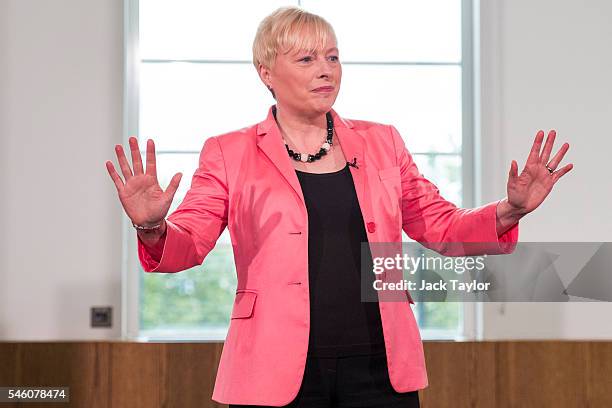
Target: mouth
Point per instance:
(324, 89)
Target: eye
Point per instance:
(306, 59)
(334, 58)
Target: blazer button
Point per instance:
(371, 227)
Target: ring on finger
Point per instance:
(549, 169)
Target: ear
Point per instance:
(265, 75)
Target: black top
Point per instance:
(341, 323)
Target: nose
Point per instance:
(325, 69)
(324, 72)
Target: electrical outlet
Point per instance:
(101, 316)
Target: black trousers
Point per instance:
(348, 382)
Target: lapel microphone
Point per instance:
(354, 163)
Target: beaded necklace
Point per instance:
(325, 147)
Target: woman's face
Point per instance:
(306, 82)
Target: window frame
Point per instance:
(470, 325)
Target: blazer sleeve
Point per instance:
(439, 224)
(198, 221)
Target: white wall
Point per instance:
(545, 64)
(60, 116)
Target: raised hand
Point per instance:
(143, 200)
(529, 189)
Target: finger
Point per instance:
(559, 173)
(513, 170)
(123, 163)
(559, 156)
(534, 154)
(550, 141)
(136, 159)
(113, 173)
(151, 164)
(174, 184)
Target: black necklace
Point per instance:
(325, 147)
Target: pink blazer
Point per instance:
(246, 181)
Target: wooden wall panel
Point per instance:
(167, 375)
(84, 367)
(459, 373)
(598, 378)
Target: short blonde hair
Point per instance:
(282, 31)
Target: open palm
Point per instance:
(141, 196)
(529, 189)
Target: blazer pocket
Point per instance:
(391, 181)
(244, 304)
(389, 172)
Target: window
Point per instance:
(187, 59)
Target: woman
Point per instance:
(299, 192)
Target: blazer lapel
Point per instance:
(353, 147)
(271, 143)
